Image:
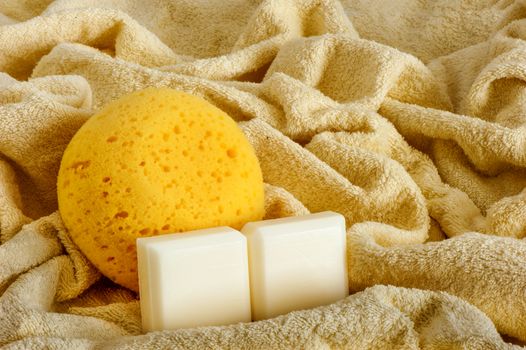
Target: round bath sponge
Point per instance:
(154, 162)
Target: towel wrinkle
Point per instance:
(407, 117)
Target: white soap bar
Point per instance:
(197, 278)
(296, 263)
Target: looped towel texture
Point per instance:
(407, 117)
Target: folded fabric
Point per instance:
(407, 117)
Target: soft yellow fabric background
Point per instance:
(407, 117)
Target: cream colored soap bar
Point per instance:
(198, 278)
(296, 263)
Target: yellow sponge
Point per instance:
(153, 162)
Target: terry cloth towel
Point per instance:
(408, 117)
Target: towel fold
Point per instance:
(407, 117)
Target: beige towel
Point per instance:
(407, 117)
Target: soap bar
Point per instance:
(191, 279)
(296, 263)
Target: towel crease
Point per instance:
(407, 117)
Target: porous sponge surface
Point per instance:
(153, 162)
